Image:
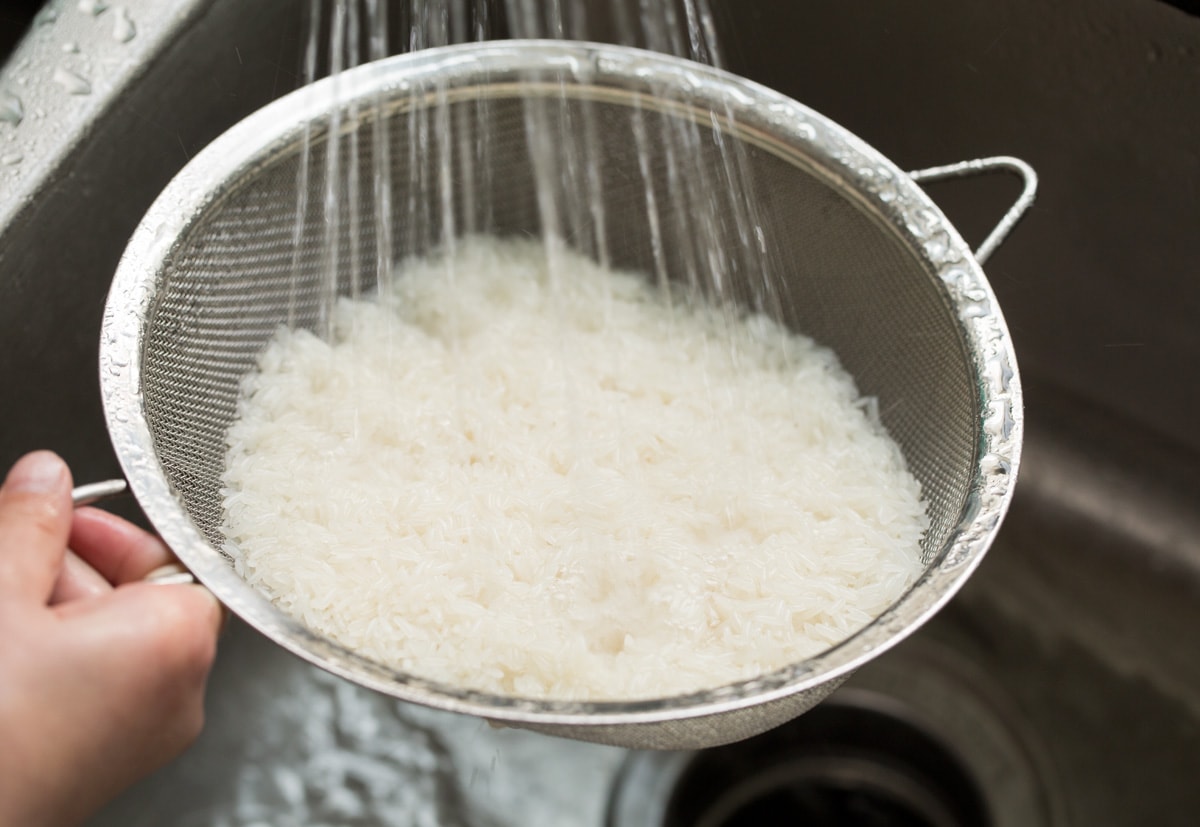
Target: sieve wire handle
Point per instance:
(999, 162)
(168, 575)
(97, 492)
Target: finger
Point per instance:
(35, 518)
(77, 581)
(175, 627)
(144, 653)
(116, 548)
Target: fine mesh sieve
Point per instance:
(867, 264)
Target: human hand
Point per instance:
(101, 676)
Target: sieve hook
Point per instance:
(171, 574)
(1015, 212)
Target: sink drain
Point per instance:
(840, 764)
(917, 741)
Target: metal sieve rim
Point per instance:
(765, 117)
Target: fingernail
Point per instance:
(41, 472)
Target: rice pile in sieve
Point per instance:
(521, 472)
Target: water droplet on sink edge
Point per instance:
(11, 109)
(123, 28)
(11, 159)
(93, 7)
(72, 82)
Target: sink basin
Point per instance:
(1063, 682)
(1060, 679)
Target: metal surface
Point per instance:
(1074, 618)
(90, 167)
(1100, 98)
(981, 755)
(862, 756)
(844, 224)
(171, 574)
(97, 492)
(1014, 214)
(68, 70)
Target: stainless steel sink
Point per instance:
(1064, 682)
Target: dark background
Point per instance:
(14, 18)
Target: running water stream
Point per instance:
(444, 176)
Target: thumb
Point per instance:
(35, 520)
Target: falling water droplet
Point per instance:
(71, 48)
(11, 109)
(72, 82)
(92, 7)
(123, 28)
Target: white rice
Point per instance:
(564, 485)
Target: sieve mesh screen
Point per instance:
(844, 277)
